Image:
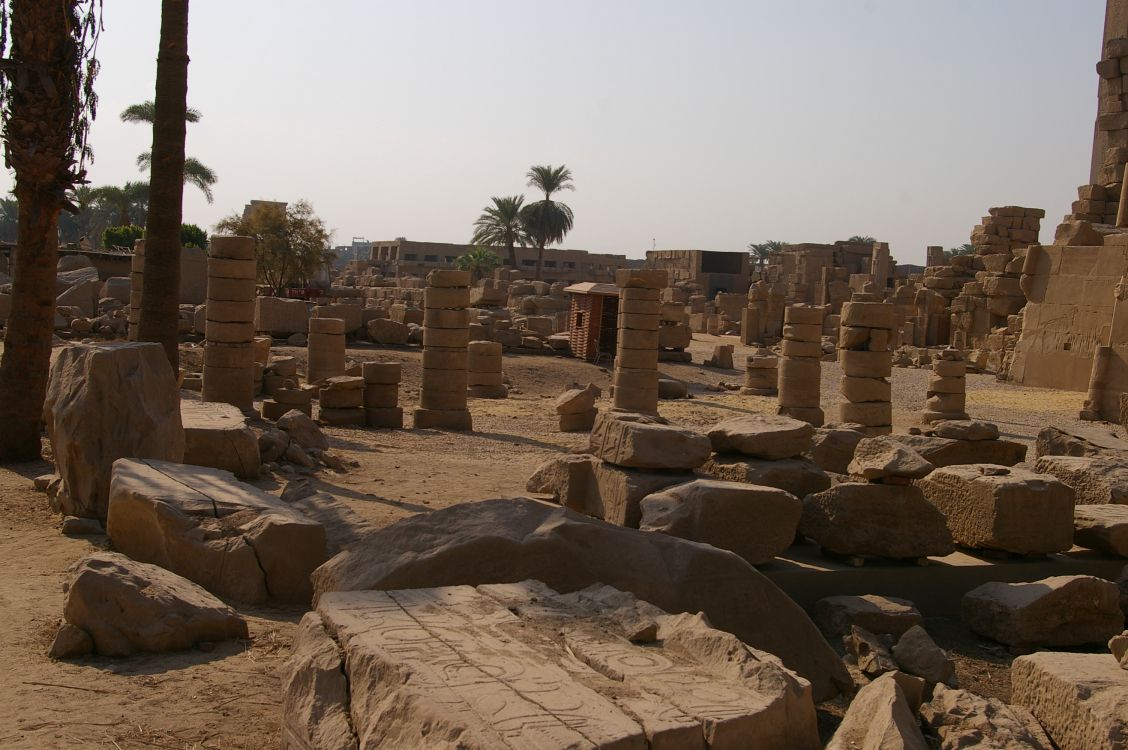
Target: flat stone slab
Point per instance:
(940, 451)
(231, 538)
(635, 441)
(795, 475)
(999, 508)
(1103, 528)
(1081, 700)
(888, 615)
(217, 435)
(767, 436)
(1096, 480)
(511, 540)
(519, 665)
(1056, 611)
(1059, 440)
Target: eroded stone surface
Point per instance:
(1096, 480)
(515, 665)
(795, 475)
(516, 539)
(963, 719)
(216, 435)
(636, 441)
(940, 451)
(767, 436)
(918, 654)
(879, 718)
(882, 456)
(1102, 527)
(1081, 700)
(883, 520)
(315, 691)
(835, 615)
(1057, 611)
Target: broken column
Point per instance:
(863, 352)
(136, 283)
(749, 325)
(799, 370)
(229, 354)
(636, 356)
(381, 394)
(341, 400)
(761, 373)
(326, 349)
(947, 389)
(446, 335)
(483, 370)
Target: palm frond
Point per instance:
(147, 112)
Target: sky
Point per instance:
(709, 124)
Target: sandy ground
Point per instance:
(229, 697)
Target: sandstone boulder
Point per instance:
(993, 507)
(231, 538)
(516, 539)
(1059, 440)
(127, 606)
(1095, 480)
(639, 442)
(883, 457)
(940, 451)
(1081, 700)
(105, 402)
(766, 436)
(963, 719)
(755, 522)
(964, 429)
(315, 691)
(217, 435)
(794, 475)
(388, 332)
(1058, 611)
(577, 400)
(883, 520)
(303, 430)
(885, 615)
(832, 447)
(869, 654)
(918, 654)
(1102, 527)
(879, 718)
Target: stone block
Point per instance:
(761, 436)
(795, 475)
(281, 317)
(637, 441)
(1080, 699)
(217, 435)
(884, 615)
(1069, 610)
(1103, 528)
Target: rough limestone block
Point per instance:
(883, 457)
(832, 448)
(884, 520)
(690, 685)
(231, 538)
(964, 719)
(127, 606)
(315, 691)
(217, 435)
(940, 451)
(281, 317)
(1102, 527)
(879, 717)
(1095, 479)
(640, 442)
(795, 475)
(993, 507)
(755, 522)
(1057, 611)
(105, 402)
(761, 436)
(884, 615)
(517, 539)
(1080, 699)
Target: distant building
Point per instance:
(247, 209)
(402, 257)
(713, 271)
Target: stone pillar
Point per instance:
(864, 353)
(635, 381)
(947, 389)
(749, 325)
(341, 400)
(935, 256)
(446, 335)
(483, 370)
(880, 265)
(229, 354)
(799, 371)
(325, 349)
(136, 284)
(761, 374)
(381, 394)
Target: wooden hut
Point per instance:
(593, 320)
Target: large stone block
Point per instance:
(755, 522)
(883, 615)
(505, 541)
(1080, 699)
(940, 451)
(880, 717)
(761, 436)
(795, 475)
(387, 332)
(993, 507)
(281, 317)
(640, 442)
(963, 719)
(1058, 611)
(105, 402)
(217, 435)
(1095, 479)
(885, 520)
(1102, 527)
(231, 538)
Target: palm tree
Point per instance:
(48, 103)
(196, 173)
(547, 221)
(763, 251)
(479, 261)
(160, 297)
(861, 239)
(9, 219)
(127, 203)
(500, 224)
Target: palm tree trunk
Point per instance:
(540, 261)
(160, 297)
(512, 254)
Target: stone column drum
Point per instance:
(761, 374)
(325, 349)
(484, 375)
(947, 388)
(799, 371)
(381, 394)
(229, 352)
(136, 284)
(635, 379)
(446, 335)
(864, 352)
(749, 325)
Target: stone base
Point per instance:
(387, 418)
(341, 416)
(928, 417)
(273, 410)
(487, 391)
(812, 415)
(581, 422)
(434, 419)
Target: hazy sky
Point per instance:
(702, 124)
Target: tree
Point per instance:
(500, 224)
(763, 251)
(9, 219)
(861, 239)
(193, 236)
(479, 261)
(160, 296)
(129, 202)
(195, 172)
(123, 236)
(48, 100)
(547, 221)
(291, 242)
(964, 249)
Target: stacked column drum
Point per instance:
(635, 379)
(864, 339)
(799, 371)
(446, 335)
(326, 349)
(381, 394)
(947, 388)
(229, 352)
(484, 374)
